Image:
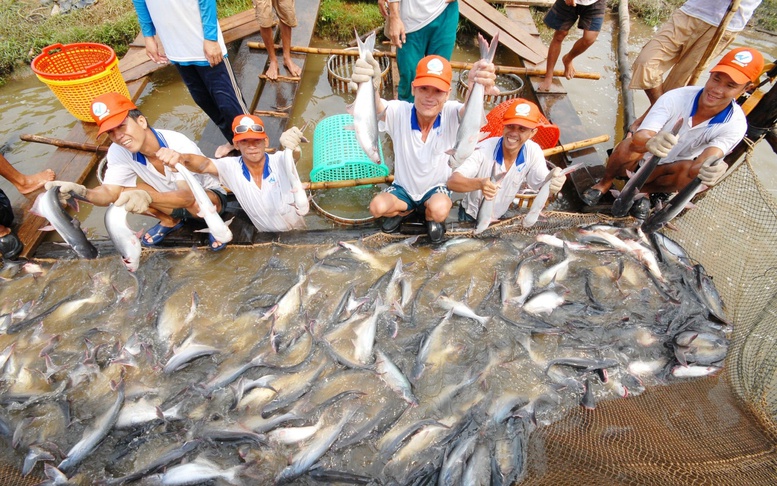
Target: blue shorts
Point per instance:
(464, 216)
(184, 214)
(562, 17)
(400, 193)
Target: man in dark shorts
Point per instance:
(589, 15)
(10, 246)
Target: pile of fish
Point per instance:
(407, 364)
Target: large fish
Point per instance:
(124, 239)
(216, 226)
(628, 195)
(542, 196)
(47, 206)
(474, 117)
(364, 110)
(301, 203)
(486, 210)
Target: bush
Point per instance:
(337, 19)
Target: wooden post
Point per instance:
(705, 58)
(624, 66)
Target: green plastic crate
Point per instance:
(337, 155)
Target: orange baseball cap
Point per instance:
(743, 64)
(522, 112)
(109, 110)
(434, 71)
(247, 127)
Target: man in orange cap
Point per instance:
(135, 177)
(259, 180)
(421, 132)
(514, 159)
(713, 125)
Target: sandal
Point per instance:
(158, 233)
(212, 240)
(10, 246)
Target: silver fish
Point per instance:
(543, 303)
(301, 202)
(460, 309)
(486, 210)
(216, 226)
(124, 239)
(200, 470)
(542, 196)
(47, 206)
(364, 109)
(394, 378)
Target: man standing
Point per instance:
(514, 158)
(160, 192)
(257, 178)
(287, 19)
(713, 125)
(191, 39)
(421, 133)
(419, 28)
(589, 15)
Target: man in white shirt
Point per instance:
(132, 155)
(713, 125)
(258, 179)
(513, 159)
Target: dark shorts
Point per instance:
(6, 211)
(185, 215)
(562, 17)
(464, 216)
(400, 193)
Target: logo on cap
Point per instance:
(435, 66)
(523, 109)
(100, 110)
(743, 58)
(246, 121)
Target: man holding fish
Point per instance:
(501, 165)
(712, 124)
(133, 154)
(266, 185)
(421, 132)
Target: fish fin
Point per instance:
(349, 110)
(690, 205)
(615, 193)
(450, 152)
(630, 174)
(48, 227)
(73, 202)
(203, 230)
(482, 136)
(230, 221)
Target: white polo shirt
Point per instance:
(124, 167)
(270, 207)
(724, 131)
(529, 168)
(419, 166)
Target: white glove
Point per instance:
(711, 174)
(661, 143)
(557, 182)
(365, 70)
(291, 138)
(65, 188)
(136, 201)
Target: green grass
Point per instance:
(337, 19)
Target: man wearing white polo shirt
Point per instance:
(257, 178)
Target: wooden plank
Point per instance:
(511, 34)
(524, 3)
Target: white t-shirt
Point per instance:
(270, 207)
(417, 14)
(724, 131)
(712, 12)
(419, 166)
(124, 167)
(529, 167)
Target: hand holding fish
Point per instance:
(557, 181)
(365, 70)
(710, 173)
(489, 188)
(67, 190)
(484, 72)
(136, 201)
(169, 157)
(291, 138)
(661, 144)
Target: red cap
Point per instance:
(246, 127)
(743, 64)
(109, 110)
(522, 112)
(434, 71)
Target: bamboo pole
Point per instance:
(624, 66)
(86, 147)
(705, 58)
(454, 64)
(390, 178)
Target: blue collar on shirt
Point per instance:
(721, 117)
(140, 158)
(499, 155)
(414, 121)
(247, 174)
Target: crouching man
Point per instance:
(512, 159)
(135, 177)
(259, 180)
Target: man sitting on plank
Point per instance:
(160, 192)
(513, 158)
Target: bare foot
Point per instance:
(293, 69)
(224, 150)
(34, 182)
(544, 86)
(272, 71)
(569, 69)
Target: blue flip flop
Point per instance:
(158, 233)
(212, 240)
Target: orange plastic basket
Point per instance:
(547, 134)
(77, 73)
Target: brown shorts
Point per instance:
(283, 8)
(679, 46)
